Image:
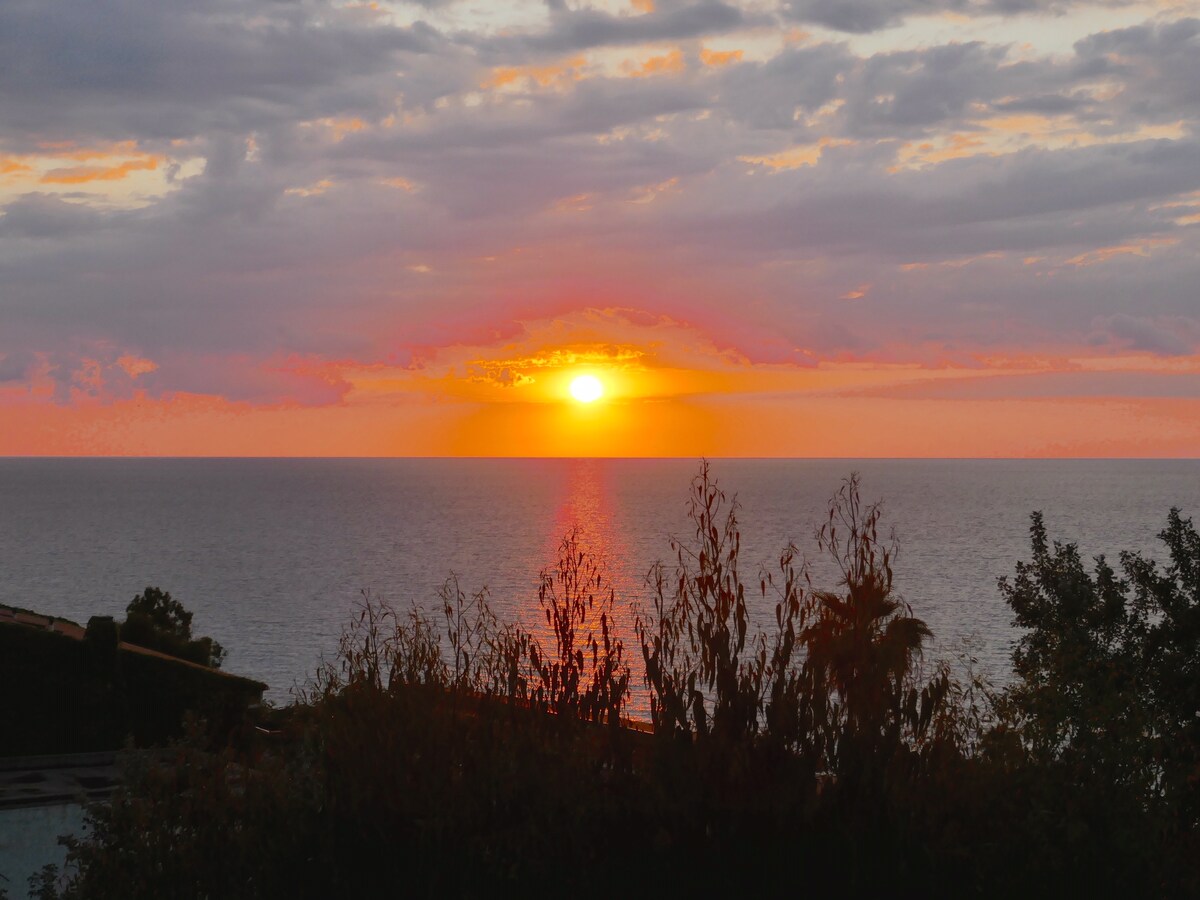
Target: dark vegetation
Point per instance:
(156, 621)
(63, 695)
(458, 755)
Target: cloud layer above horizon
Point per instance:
(834, 227)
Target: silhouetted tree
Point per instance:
(1109, 667)
(863, 644)
(155, 620)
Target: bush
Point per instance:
(156, 621)
(1107, 697)
(454, 754)
(1109, 667)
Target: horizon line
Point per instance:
(699, 456)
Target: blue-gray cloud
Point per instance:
(571, 31)
(865, 16)
(169, 69)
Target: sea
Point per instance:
(275, 556)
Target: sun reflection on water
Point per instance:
(587, 506)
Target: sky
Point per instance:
(847, 228)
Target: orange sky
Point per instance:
(668, 392)
(196, 426)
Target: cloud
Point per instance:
(45, 216)
(858, 16)
(1049, 385)
(865, 16)
(15, 366)
(85, 174)
(1178, 338)
(768, 94)
(720, 57)
(664, 64)
(256, 198)
(174, 69)
(572, 31)
(1158, 64)
(910, 92)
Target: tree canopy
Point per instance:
(157, 621)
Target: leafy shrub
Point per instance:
(454, 754)
(1107, 696)
(840, 669)
(157, 621)
(863, 646)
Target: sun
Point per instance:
(586, 388)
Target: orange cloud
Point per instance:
(336, 128)
(796, 157)
(650, 192)
(1104, 254)
(85, 174)
(645, 6)
(10, 166)
(1000, 135)
(136, 365)
(720, 57)
(667, 64)
(956, 146)
(553, 75)
(960, 263)
(310, 190)
(343, 127)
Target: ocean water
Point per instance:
(272, 556)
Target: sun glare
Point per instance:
(586, 388)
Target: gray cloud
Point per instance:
(15, 366)
(1159, 64)
(1043, 103)
(1027, 201)
(768, 95)
(909, 92)
(862, 16)
(1178, 338)
(177, 69)
(44, 216)
(865, 16)
(571, 31)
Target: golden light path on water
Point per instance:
(587, 508)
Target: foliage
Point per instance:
(836, 683)
(588, 679)
(155, 620)
(1108, 689)
(454, 754)
(198, 821)
(707, 675)
(864, 646)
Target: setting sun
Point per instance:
(586, 388)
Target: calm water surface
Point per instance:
(272, 555)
